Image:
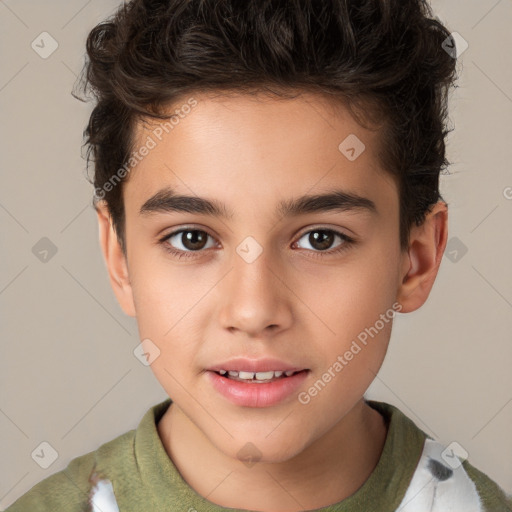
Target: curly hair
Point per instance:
(383, 59)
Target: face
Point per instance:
(263, 287)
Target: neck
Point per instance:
(331, 469)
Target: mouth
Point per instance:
(257, 389)
(257, 377)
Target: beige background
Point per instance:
(68, 373)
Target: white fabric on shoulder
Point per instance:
(440, 484)
(102, 497)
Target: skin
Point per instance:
(250, 153)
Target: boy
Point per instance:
(266, 186)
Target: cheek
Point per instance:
(356, 309)
(353, 295)
(165, 292)
(167, 302)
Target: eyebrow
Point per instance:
(167, 201)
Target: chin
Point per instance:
(258, 449)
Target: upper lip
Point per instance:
(255, 365)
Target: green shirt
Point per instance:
(411, 476)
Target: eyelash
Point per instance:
(348, 242)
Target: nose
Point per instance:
(254, 297)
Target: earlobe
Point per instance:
(115, 261)
(421, 263)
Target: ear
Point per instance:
(423, 258)
(115, 260)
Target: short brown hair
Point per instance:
(383, 56)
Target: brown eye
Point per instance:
(323, 239)
(189, 239)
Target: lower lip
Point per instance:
(254, 394)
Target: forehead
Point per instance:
(257, 149)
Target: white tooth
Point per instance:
(278, 373)
(246, 375)
(233, 374)
(264, 375)
(289, 372)
(222, 372)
